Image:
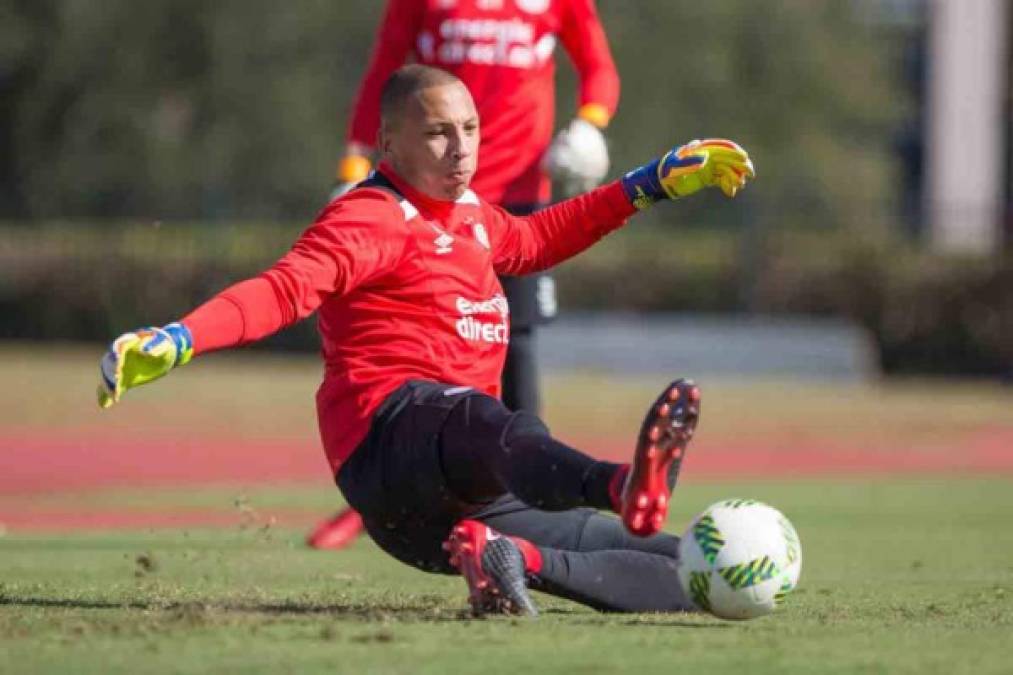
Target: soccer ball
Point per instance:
(739, 559)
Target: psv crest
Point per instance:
(481, 236)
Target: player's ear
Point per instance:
(383, 139)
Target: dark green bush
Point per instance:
(928, 313)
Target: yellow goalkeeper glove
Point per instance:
(141, 356)
(680, 172)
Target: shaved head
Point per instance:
(404, 84)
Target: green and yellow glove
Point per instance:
(141, 356)
(680, 172)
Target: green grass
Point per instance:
(898, 577)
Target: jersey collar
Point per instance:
(437, 207)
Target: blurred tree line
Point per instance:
(117, 116)
(236, 109)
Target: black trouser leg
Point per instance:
(532, 302)
(571, 530)
(520, 372)
(487, 451)
(613, 581)
(591, 558)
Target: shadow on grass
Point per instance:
(363, 612)
(662, 619)
(368, 612)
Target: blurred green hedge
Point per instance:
(928, 313)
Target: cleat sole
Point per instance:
(496, 578)
(661, 447)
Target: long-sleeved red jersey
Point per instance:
(406, 289)
(502, 51)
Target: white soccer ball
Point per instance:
(739, 559)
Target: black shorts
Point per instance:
(395, 480)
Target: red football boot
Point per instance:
(661, 446)
(336, 532)
(495, 567)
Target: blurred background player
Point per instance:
(503, 52)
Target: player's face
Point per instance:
(433, 145)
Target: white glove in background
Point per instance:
(578, 157)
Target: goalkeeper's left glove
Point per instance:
(141, 356)
(578, 156)
(680, 172)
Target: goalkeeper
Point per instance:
(414, 328)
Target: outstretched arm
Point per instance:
(354, 240)
(395, 41)
(584, 40)
(522, 245)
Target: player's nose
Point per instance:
(461, 145)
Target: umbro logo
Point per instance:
(443, 243)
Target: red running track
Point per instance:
(32, 466)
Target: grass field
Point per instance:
(903, 571)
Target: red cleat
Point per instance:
(494, 567)
(661, 446)
(337, 532)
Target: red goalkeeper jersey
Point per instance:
(503, 51)
(406, 289)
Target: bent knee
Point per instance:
(522, 430)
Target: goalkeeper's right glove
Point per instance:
(353, 168)
(141, 356)
(680, 172)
